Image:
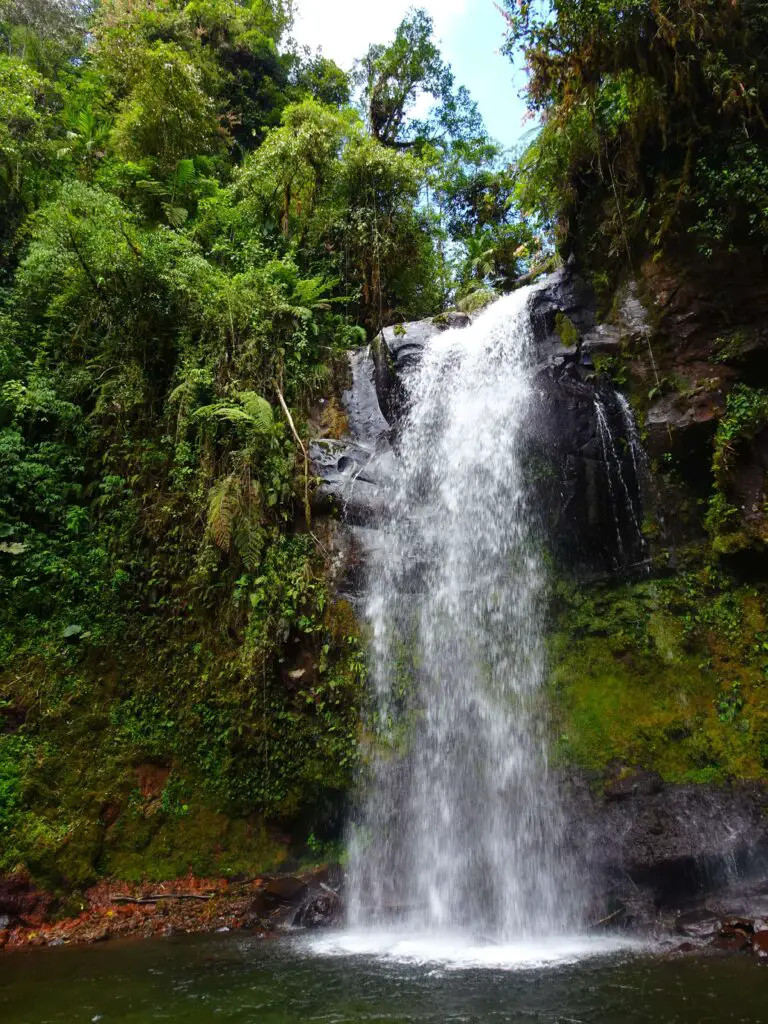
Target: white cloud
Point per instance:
(346, 28)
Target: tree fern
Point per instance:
(248, 533)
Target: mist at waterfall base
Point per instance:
(458, 853)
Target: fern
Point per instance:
(234, 518)
(223, 507)
(183, 175)
(222, 411)
(258, 409)
(248, 533)
(169, 192)
(175, 215)
(253, 410)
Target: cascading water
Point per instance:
(624, 504)
(460, 827)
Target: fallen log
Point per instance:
(163, 896)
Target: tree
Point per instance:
(394, 77)
(654, 110)
(168, 112)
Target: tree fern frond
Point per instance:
(223, 411)
(249, 536)
(223, 506)
(184, 174)
(259, 410)
(175, 215)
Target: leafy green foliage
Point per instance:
(393, 77)
(196, 225)
(746, 412)
(653, 122)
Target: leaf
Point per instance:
(253, 410)
(184, 173)
(223, 506)
(13, 548)
(71, 631)
(259, 410)
(175, 215)
(223, 411)
(154, 188)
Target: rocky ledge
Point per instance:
(579, 431)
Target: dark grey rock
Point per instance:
(638, 783)
(633, 318)
(454, 320)
(395, 350)
(367, 423)
(567, 294)
(671, 848)
(698, 924)
(590, 530)
(322, 908)
(678, 412)
(603, 339)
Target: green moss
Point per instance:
(143, 844)
(231, 732)
(669, 675)
(566, 330)
(442, 320)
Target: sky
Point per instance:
(470, 34)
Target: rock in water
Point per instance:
(322, 908)
(698, 924)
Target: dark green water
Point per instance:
(252, 981)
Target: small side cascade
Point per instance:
(624, 479)
(636, 449)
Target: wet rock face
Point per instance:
(583, 474)
(661, 850)
(698, 924)
(321, 909)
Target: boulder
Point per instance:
(677, 414)
(732, 940)
(19, 899)
(321, 908)
(453, 320)
(284, 889)
(603, 339)
(698, 924)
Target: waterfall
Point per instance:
(460, 826)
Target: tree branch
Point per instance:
(304, 452)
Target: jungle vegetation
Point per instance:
(197, 219)
(654, 123)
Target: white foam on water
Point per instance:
(457, 951)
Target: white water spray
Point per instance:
(461, 827)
